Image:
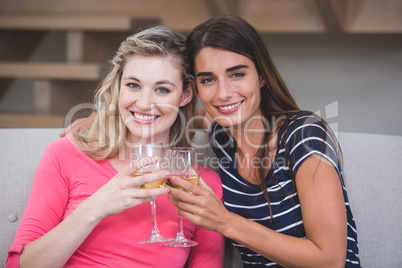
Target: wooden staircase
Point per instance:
(66, 22)
(93, 29)
(57, 86)
(40, 70)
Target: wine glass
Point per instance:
(182, 163)
(139, 154)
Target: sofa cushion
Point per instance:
(372, 168)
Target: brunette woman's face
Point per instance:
(151, 92)
(229, 86)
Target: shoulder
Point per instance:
(58, 163)
(305, 134)
(64, 145)
(61, 152)
(304, 120)
(304, 125)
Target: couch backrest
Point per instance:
(373, 168)
(371, 162)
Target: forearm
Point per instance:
(285, 250)
(55, 247)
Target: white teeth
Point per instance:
(229, 107)
(144, 117)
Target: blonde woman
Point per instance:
(85, 209)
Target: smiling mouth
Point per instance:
(228, 107)
(144, 117)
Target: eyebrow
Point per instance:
(157, 83)
(204, 74)
(231, 69)
(237, 67)
(165, 82)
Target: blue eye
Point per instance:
(163, 90)
(133, 85)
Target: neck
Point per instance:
(126, 148)
(135, 140)
(249, 139)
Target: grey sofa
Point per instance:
(373, 168)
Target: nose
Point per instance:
(145, 100)
(224, 90)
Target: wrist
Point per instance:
(227, 228)
(91, 214)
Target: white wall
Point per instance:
(361, 75)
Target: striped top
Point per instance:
(302, 137)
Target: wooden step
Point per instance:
(66, 22)
(31, 121)
(73, 71)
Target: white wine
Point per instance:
(153, 184)
(193, 180)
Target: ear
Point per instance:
(262, 81)
(187, 96)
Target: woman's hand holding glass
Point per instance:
(202, 207)
(121, 192)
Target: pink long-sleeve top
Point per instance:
(66, 176)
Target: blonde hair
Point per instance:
(108, 131)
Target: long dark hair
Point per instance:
(232, 33)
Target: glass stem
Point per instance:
(180, 234)
(155, 230)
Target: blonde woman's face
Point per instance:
(151, 92)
